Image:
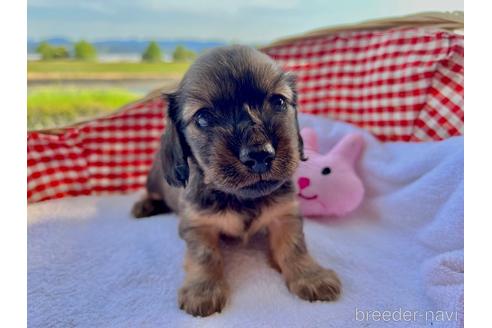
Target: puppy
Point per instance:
(228, 154)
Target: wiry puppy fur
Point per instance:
(229, 151)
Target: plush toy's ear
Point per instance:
(349, 148)
(310, 139)
(174, 148)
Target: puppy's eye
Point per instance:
(203, 118)
(326, 171)
(278, 102)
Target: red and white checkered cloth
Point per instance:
(104, 156)
(400, 84)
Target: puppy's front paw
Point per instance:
(316, 285)
(203, 298)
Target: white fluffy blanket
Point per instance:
(399, 256)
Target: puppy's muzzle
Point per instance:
(257, 158)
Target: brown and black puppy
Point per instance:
(229, 151)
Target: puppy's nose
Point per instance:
(257, 159)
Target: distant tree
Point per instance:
(49, 52)
(44, 49)
(85, 51)
(61, 53)
(183, 54)
(153, 53)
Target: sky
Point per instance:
(254, 21)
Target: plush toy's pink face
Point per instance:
(328, 184)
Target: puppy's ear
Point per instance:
(291, 81)
(174, 148)
(300, 142)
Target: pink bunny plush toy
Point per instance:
(328, 184)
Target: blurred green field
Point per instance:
(71, 68)
(55, 107)
(54, 103)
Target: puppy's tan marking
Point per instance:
(284, 90)
(229, 223)
(304, 277)
(272, 212)
(254, 115)
(191, 107)
(204, 290)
